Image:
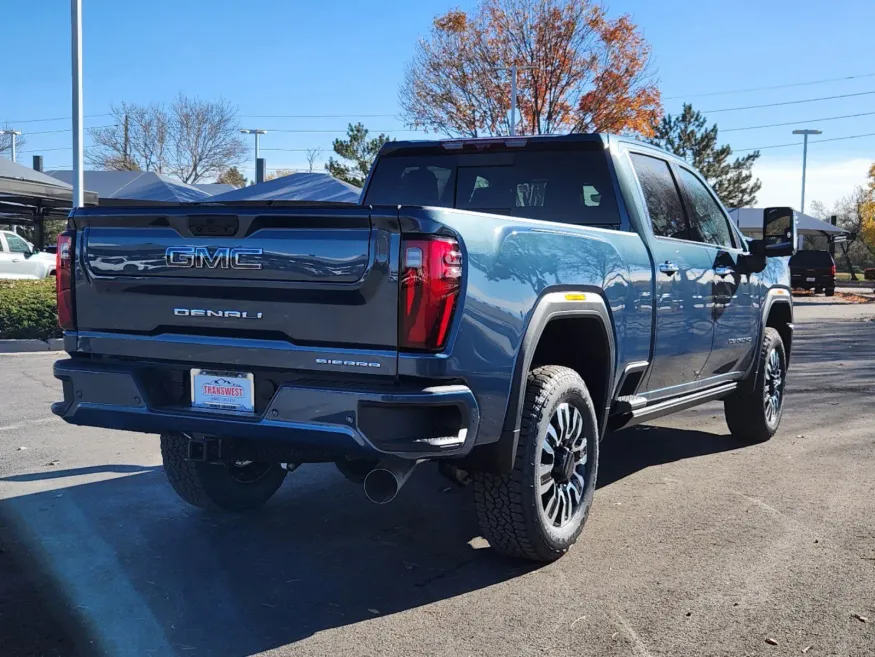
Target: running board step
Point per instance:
(676, 404)
(628, 404)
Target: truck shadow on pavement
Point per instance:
(173, 578)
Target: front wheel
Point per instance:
(231, 486)
(754, 416)
(538, 510)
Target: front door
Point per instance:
(684, 284)
(17, 261)
(735, 309)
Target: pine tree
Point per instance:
(359, 150)
(232, 176)
(688, 136)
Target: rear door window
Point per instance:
(811, 259)
(662, 197)
(568, 186)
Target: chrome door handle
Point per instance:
(723, 271)
(668, 268)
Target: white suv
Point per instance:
(19, 258)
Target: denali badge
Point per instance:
(739, 340)
(220, 258)
(227, 314)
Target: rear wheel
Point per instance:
(830, 292)
(538, 510)
(229, 486)
(818, 290)
(755, 415)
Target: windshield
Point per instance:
(566, 186)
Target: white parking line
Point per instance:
(28, 423)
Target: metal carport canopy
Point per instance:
(751, 219)
(303, 186)
(22, 189)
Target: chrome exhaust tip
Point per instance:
(383, 482)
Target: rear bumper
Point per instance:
(407, 422)
(824, 281)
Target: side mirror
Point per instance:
(779, 232)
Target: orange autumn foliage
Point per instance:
(586, 72)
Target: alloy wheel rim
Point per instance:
(773, 390)
(561, 472)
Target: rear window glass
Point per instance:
(811, 259)
(566, 186)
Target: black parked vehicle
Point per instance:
(813, 270)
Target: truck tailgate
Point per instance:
(308, 276)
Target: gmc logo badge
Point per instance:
(203, 258)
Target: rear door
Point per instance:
(684, 326)
(735, 308)
(320, 277)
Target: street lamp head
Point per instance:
(253, 131)
(808, 132)
(10, 132)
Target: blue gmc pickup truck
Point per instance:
(495, 305)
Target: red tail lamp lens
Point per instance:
(431, 273)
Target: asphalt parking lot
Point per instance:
(695, 545)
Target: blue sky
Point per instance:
(347, 57)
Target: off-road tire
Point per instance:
(214, 485)
(745, 412)
(508, 506)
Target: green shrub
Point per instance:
(28, 310)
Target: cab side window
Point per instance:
(707, 220)
(662, 197)
(16, 244)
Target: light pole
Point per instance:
(78, 129)
(514, 69)
(12, 135)
(256, 132)
(805, 134)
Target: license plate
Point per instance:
(227, 391)
(810, 279)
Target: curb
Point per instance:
(25, 346)
(864, 284)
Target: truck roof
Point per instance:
(517, 141)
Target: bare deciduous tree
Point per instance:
(850, 213)
(313, 154)
(192, 139)
(279, 173)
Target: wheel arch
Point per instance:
(777, 314)
(572, 328)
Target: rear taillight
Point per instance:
(833, 270)
(64, 280)
(431, 274)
